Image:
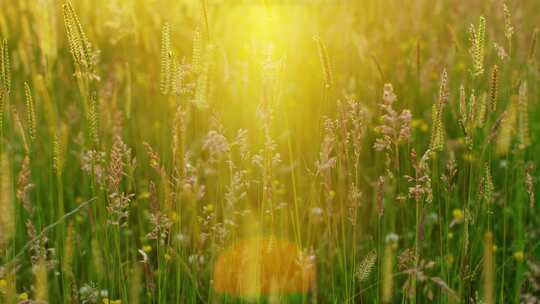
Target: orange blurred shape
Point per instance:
(263, 266)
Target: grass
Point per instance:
(392, 148)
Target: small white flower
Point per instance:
(180, 237)
(316, 211)
(392, 238)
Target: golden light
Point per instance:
(263, 266)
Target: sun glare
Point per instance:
(269, 151)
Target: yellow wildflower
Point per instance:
(458, 215)
(420, 124)
(461, 65)
(3, 285)
(332, 193)
(468, 157)
(147, 248)
(144, 195)
(23, 296)
(519, 255)
(449, 260)
(424, 127)
(174, 216)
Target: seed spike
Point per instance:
(494, 89)
(437, 133)
(30, 113)
(79, 45)
(477, 39)
(325, 62)
(165, 68)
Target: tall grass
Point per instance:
(326, 152)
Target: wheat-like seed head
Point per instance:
(481, 112)
(196, 53)
(30, 113)
(325, 62)
(508, 127)
(59, 148)
(117, 163)
(5, 70)
(79, 44)
(24, 185)
(462, 105)
(166, 60)
(494, 89)
(488, 187)
(473, 109)
(203, 81)
(366, 266)
(437, 132)
(477, 39)
(508, 27)
(5, 79)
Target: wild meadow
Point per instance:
(250, 151)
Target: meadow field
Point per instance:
(269, 151)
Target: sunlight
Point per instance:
(269, 151)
